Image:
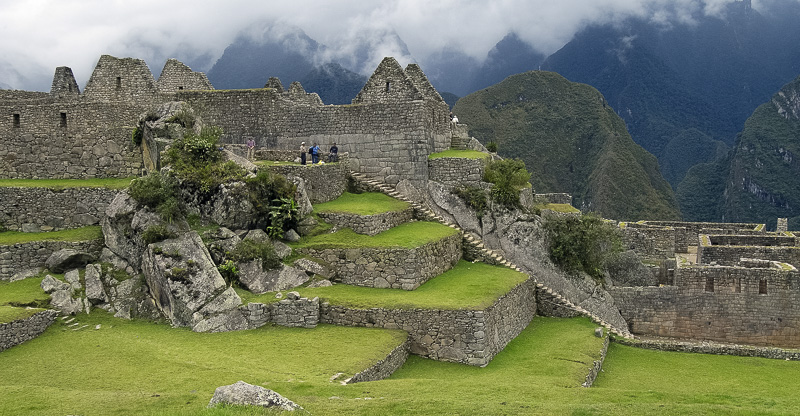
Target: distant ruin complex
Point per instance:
(740, 285)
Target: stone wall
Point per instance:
(597, 365)
(650, 242)
(387, 267)
(68, 139)
(712, 348)
(385, 367)
(176, 76)
(730, 255)
(753, 240)
(727, 304)
(43, 209)
(23, 256)
(464, 336)
(687, 233)
(19, 331)
(456, 172)
(295, 311)
(323, 182)
(368, 224)
(553, 198)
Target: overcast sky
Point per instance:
(39, 35)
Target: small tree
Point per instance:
(508, 177)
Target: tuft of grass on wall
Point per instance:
(94, 232)
(58, 184)
(408, 235)
(368, 203)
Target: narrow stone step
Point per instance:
(78, 329)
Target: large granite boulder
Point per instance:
(66, 259)
(187, 288)
(257, 280)
(94, 286)
(220, 242)
(244, 394)
(627, 269)
(230, 207)
(301, 197)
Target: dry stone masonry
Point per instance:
(16, 332)
(43, 209)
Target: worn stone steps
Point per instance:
(497, 258)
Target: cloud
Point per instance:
(40, 35)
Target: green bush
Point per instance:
(272, 197)
(156, 233)
(159, 192)
(195, 160)
(582, 243)
(153, 189)
(474, 197)
(249, 250)
(492, 146)
(229, 271)
(508, 177)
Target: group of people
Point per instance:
(314, 151)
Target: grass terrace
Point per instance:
(58, 184)
(563, 208)
(368, 203)
(409, 235)
(135, 367)
(75, 234)
(464, 154)
(471, 286)
(12, 313)
(21, 299)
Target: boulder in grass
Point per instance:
(244, 394)
(67, 259)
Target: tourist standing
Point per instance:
(314, 154)
(303, 150)
(333, 153)
(251, 149)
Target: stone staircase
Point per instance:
(488, 254)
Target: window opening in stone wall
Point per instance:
(63, 119)
(119, 82)
(180, 88)
(709, 284)
(16, 120)
(762, 287)
(388, 86)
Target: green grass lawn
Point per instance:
(135, 367)
(11, 313)
(132, 367)
(26, 292)
(408, 235)
(74, 234)
(466, 154)
(368, 203)
(472, 286)
(564, 208)
(56, 184)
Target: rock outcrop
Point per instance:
(241, 393)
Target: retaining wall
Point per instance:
(323, 182)
(651, 242)
(456, 172)
(368, 224)
(396, 268)
(22, 256)
(385, 367)
(730, 255)
(464, 336)
(43, 209)
(16, 332)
